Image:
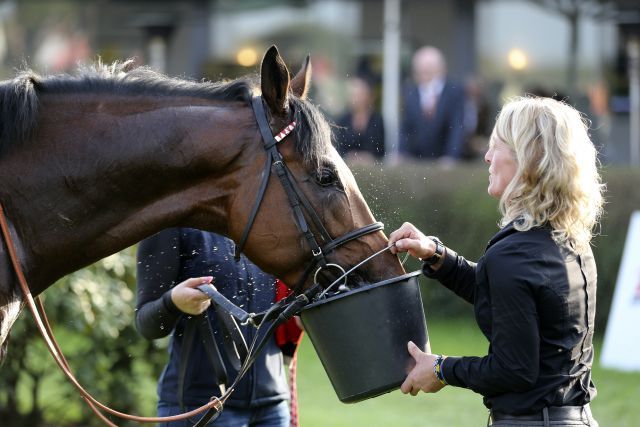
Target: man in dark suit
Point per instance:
(433, 116)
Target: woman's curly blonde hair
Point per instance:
(557, 182)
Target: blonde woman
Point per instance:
(534, 289)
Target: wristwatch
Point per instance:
(438, 254)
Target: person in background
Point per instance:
(534, 289)
(433, 111)
(477, 126)
(360, 130)
(171, 265)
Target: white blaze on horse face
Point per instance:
(358, 210)
(344, 173)
(341, 166)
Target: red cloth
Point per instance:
(288, 336)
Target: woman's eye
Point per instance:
(326, 177)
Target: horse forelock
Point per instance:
(313, 135)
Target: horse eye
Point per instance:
(326, 177)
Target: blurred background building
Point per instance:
(585, 51)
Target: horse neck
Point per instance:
(105, 172)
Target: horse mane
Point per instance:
(19, 99)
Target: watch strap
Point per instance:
(438, 254)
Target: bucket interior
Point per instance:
(361, 335)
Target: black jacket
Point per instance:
(370, 140)
(174, 255)
(535, 302)
(437, 136)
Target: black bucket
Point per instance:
(361, 336)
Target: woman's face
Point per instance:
(502, 166)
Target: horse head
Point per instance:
(93, 163)
(335, 208)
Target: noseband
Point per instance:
(297, 201)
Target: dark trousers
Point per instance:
(565, 416)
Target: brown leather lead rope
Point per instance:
(54, 349)
(66, 364)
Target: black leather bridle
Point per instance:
(297, 201)
(287, 307)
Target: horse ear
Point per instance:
(274, 81)
(301, 82)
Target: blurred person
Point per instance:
(433, 112)
(476, 120)
(171, 265)
(62, 48)
(598, 94)
(534, 289)
(360, 131)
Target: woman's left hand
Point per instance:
(422, 377)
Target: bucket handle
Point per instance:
(344, 275)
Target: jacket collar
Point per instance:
(505, 231)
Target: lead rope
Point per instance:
(52, 345)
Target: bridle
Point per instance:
(297, 201)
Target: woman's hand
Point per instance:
(190, 300)
(422, 377)
(408, 238)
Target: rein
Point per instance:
(40, 317)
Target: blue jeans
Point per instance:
(275, 415)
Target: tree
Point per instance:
(572, 10)
(92, 314)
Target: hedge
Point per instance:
(452, 203)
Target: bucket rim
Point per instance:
(403, 277)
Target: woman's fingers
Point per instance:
(190, 300)
(407, 386)
(194, 282)
(406, 231)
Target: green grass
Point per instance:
(617, 403)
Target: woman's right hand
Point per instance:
(408, 238)
(190, 300)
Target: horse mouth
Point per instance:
(357, 280)
(335, 283)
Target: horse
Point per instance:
(94, 162)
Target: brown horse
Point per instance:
(93, 163)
